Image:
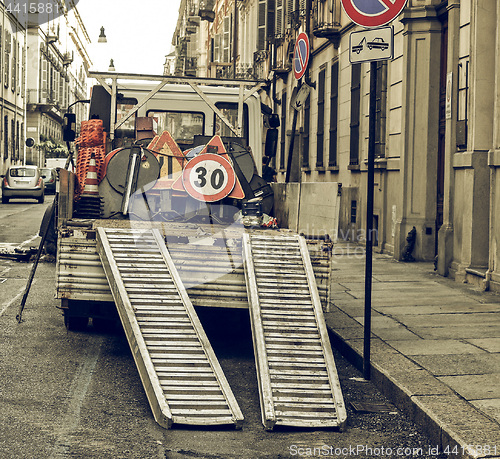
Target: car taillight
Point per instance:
(40, 181)
(5, 181)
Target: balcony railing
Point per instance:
(326, 19)
(42, 97)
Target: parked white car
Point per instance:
(23, 182)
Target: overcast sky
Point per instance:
(139, 33)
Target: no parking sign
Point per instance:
(301, 55)
(373, 13)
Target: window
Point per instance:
(6, 137)
(226, 40)
(283, 131)
(230, 111)
(279, 29)
(44, 66)
(320, 133)
(22, 172)
(261, 35)
(13, 140)
(183, 126)
(354, 211)
(305, 138)
(380, 109)
(14, 65)
(17, 140)
(7, 58)
(334, 105)
(271, 20)
(355, 113)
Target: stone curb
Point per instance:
(448, 420)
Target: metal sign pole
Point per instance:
(369, 222)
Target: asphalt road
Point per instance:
(66, 394)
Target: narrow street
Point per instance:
(67, 394)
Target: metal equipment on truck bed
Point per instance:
(175, 222)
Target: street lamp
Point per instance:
(102, 37)
(111, 67)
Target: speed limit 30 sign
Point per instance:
(208, 177)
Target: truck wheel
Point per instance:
(74, 323)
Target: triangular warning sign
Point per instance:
(165, 145)
(215, 146)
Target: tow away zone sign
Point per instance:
(371, 45)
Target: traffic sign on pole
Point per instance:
(371, 45)
(373, 13)
(301, 55)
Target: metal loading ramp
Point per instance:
(298, 381)
(180, 373)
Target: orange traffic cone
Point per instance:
(91, 183)
(89, 203)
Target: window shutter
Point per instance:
(226, 39)
(14, 65)
(271, 19)
(43, 76)
(261, 36)
(302, 7)
(7, 58)
(279, 19)
(320, 133)
(355, 113)
(290, 9)
(217, 48)
(334, 97)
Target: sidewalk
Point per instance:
(435, 346)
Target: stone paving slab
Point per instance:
(466, 332)
(435, 348)
(488, 344)
(459, 364)
(474, 387)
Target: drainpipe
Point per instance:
(235, 37)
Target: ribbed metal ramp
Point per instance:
(298, 381)
(180, 373)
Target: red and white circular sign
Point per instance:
(373, 13)
(301, 55)
(208, 177)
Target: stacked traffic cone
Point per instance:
(89, 202)
(90, 142)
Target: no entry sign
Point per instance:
(208, 177)
(301, 55)
(373, 13)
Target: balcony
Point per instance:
(206, 10)
(326, 20)
(221, 70)
(45, 101)
(191, 66)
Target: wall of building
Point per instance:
(12, 89)
(439, 170)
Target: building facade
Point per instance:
(437, 120)
(56, 78)
(12, 88)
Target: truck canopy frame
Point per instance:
(246, 89)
